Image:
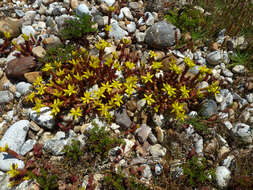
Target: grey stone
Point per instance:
(55, 146)
(44, 119)
(82, 9)
(23, 88)
(6, 96)
(223, 176)
(7, 160)
(27, 146)
(122, 118)
(228, 124)
(217, 57)
(208, 108)
(199, 146)
(143, 133)
(15, 135)
(99, 19)
(117, 32)
(243, 131)
(162, 35)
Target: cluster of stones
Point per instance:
(21, 128)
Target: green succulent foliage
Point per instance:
(100, 141)
(78, 27)
(58, 53)
(197, 171)
(120, 182)
(73, 151)
(45, 180)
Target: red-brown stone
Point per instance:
(19, 66)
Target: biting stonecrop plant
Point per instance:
(89, 84)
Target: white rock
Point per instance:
(82, 9)
(239, 69)
(228, 124)
(23, 88)
(15, 135)
(125, 12)
(6, 161)
(250, 97)
(131, 27)
(157, 151)
(28, 30)
(244, 131)
(108, 2)
(223, 176)
(44, 119)
(27, 146)
(140, 36)
(6, 96)
(217, 57)
(117, 32)
(150, 19)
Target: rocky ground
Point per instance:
(159, 154)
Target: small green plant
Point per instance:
(45, 180)
(74, 150)
(197, 171)
(78, 28)
(188, 19)
(100, 141)
(118, 181)
(200, 124)
(240, 58)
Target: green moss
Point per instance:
(73, 151)
(197, 172)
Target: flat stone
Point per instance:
(125, 12)
(10, 25)
(143, 132)
(44, 118)
(39, 51)
(16, 68)
(122, 118)
(15, 135)
(32, 76)
(162, 35)
(7, 160)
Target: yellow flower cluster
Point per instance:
(73, 81)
